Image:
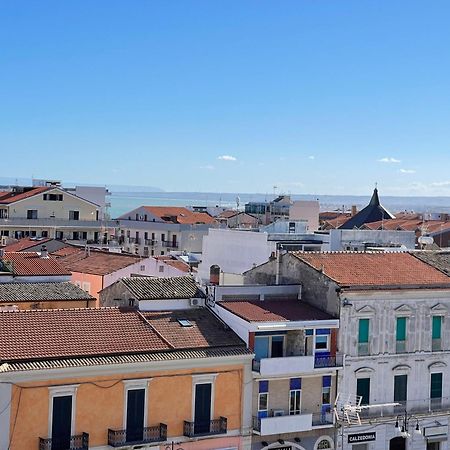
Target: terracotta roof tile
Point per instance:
(96, 262)
(31, 264)
(205, 329)
(276, 310)
(23, 244)
(374, 269)
(99, 332)
(14, 197)
(176, 214)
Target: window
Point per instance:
(400, 388)
(436, 389)
(53, 197)
(322, 342)
(44, 233)
(269, 346)
(163, 237)
(74, 215)
(324, 444)
(161, 269)
(84, 235)
(145, 235)
(400, 343)
(326, 390)
(75, 236)
(263, 399)
(128, 234)
(142, 268)
(135, 414)
(436, 333)
(363, 337)
(295, 396)
(62, 414)
(32, 214)
(363, 390)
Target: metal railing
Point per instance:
(150, 241)
(436, 345)
(319, 419)
(215, 426)
(171, 244)
(363, 349)
(328, 361)
(77, 442)
(426, 406)
(119, 438)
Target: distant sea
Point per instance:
(122, 202)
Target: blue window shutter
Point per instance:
(326, 381)
(264, 386)
(295, 383)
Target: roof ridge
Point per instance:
(35, 311)
(154, 329)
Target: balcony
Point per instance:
(169, 244)
(77, 442)
(267, 426)
(54, 222)
(436, 345)
(150, 242)
(120, 438)
(216, 426)
(292, 365)
(322, 419)
(134, 240)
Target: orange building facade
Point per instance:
(197, 397)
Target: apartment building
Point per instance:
(295, 366)
(49, 211)
(157, 230)
(394, 334)
(120, 378)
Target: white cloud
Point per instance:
(207, 167)
(440, 184)
(407, 171)
(227, 158)
(311, 157)
(389, 160)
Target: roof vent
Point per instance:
(44, 252)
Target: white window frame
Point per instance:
(62, 391)
(327, 349)
(324, 388)
(203, 379)
(259, 401)
(131, 385)
(300, 402)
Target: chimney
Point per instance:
(44, 252)
(354, 210)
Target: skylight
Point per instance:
(184, 323)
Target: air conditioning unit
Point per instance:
(194, 302)
(278, 412)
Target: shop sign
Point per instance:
(361, 437)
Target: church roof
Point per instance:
(373, 212)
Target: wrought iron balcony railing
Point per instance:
(170, 244)
(146, 435)
(77, 442)
(215, 426)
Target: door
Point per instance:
(135, 415)
(61, 422)
(363, 390)
(202, 417)
(397, 443)
(277, 347)
(261, 347)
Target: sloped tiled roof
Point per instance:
(31, 264)
(147, 288)
(14, 197)
(276, 310)
(178, 214)
(173, 262)
(96, 262)
(24, 243)
(439, 259)
(206, 330)
(67, 337)
(374, 269)
(35, 292)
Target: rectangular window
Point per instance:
(363, 390)
(277, 347)
(44, 233)
(295, 401)
(53, 197)
(400, 388)
(161, 269)
(363, 337)
(263, 399)
(74, 215)
(32, 214)
(436, 385)
(400, 344)
(326, 390)
(322, 343)
(436, 333)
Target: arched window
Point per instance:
(324, 443)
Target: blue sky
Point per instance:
(228, 96)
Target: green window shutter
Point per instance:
(436, 385)
(437, 323)
(401, 328)
(400, 388)
(363, 390)
(363, 335)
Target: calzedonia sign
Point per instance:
(361, 437)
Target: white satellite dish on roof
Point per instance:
(426, 240)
